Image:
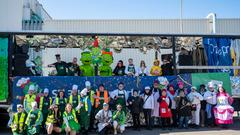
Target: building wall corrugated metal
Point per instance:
(164, 26)
(11, 15)
(228, 26)
(67, 54)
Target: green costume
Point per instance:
(33, 122)
(86, 68)
(18, 123)
(120, 117)
(105, 69)
(70, 119)
(45, 103)
(85, 112)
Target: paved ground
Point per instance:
(233, 130)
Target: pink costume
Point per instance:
(223, 111)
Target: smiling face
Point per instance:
(107, 59)
(86, 58)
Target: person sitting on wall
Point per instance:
(73, 68)
(119, 69)
(60, 66)
(156, 70)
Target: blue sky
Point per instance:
(139, 9)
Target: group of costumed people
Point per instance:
(106, 111)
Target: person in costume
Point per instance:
(148, 106)
(172, 95)
(61, 102)
(156, 70)
(29, 98)
(104, 118)
(120, 96)
(156, 92)
(86, 67)
(85, 107)
(195, 99)
(34, 120)
(45, 103)
(70, 122)
(130, 69)
(143, 69)
(74, 100)
(105, 69)
(165, 109)
(202, 91)
(119, 70)
(119, 119)
(211, 99)
(223, 111)
(184, 110)
(18, 122)
(53, 122)
(61, 66)
(135, 104)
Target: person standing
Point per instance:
(60, 66)
(61, 102)
(172, 94)
(18, 122)
(184, 109)
(130, 70)
(101, 97)
(156, 92)
(165, 109)
(74, 100)
(29, 99)
(73, 68)
(135, 104)
(211, 100)
(148, 106)
(223, 111)
(85, 107)
(104, 117)
(119, 118)
(195, 99)
(45, 103)
(120, 96)
(119, 70)
(203, 106)
(167, 68)
(70, 122)
(34, 120)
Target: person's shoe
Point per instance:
(115, 132)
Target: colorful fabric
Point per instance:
(223, 112)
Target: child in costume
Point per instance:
(156, 69)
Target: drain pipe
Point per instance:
(213, 15)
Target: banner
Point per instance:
(215, 78)
(3, 69)
(54, 83)
(218, 52)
